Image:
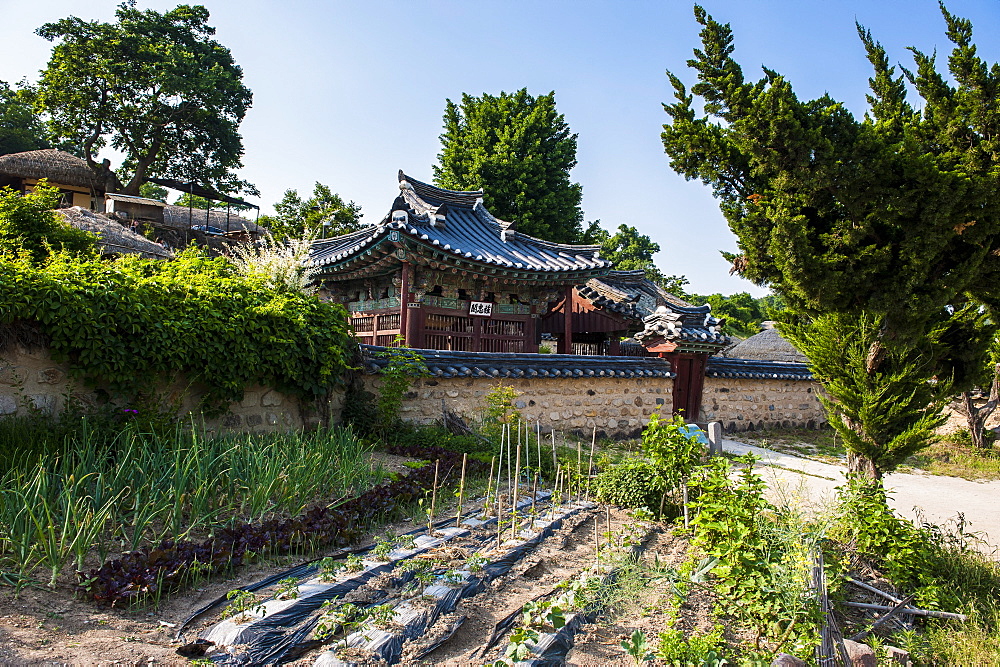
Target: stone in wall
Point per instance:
(743, 404)
(38, 381)
(615, 407)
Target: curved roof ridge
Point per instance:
(559, 246)
(426, 190)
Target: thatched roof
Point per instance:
(132, 199)
(114, 238)
(181, 217)
(768, 345)
(55, 165)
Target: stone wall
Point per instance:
(30, 380)
(753, 404)
(617, 407)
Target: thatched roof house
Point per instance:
(768, 345)
(115, 239)
(79, 184)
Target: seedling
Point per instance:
(383, 548)
(382, 615)
(329, 567)
(288, 589)
(453, 577)
(345, 617)
(476, 562)
(242, 602)
(638, 647)
(353, 563)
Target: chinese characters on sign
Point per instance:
(480, 308)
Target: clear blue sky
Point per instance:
(346, 93)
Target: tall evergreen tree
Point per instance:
(891, 222)
(519, 150)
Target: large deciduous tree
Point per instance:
(155, 86)
(519, 150)
(324, 214)
(882, 228)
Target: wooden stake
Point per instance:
(590, 464)
(579, 468)
(434, 495)
(510, 488)
(513, 504)
(609, 524)
(489, 483)
(538, 441)
(555, 462)
(534, 494)
(597, 542)
(461, 493)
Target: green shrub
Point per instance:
(631, 483)
(28, 225)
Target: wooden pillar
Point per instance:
(531, 332)
(614, 345)
(404, 298)
(566, 342)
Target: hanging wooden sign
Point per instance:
(480, 308)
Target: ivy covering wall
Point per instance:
(131, 323)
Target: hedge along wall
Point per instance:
(31, 381)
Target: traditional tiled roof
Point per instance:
(448, 364)
(455, 228)
(663, 316)
(725, 367)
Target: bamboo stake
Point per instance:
(538, 441)
(510, 489)
(579, 469)
(913, 611)
(489, 483)
(590, 464)
(534, 494)
(609, 524)
(461, 493)
(555, 462)
(597, 543)
(434, 495)
(513, 504)
(499, 473)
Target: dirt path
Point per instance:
(932, 498)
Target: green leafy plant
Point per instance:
(476, 562)
(328, 569)
(700, 650)
(288, 589)
(29, 228)
(242, 602)
(638, 647)
(353, 563)
(402, 367)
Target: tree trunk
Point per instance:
(862, 465)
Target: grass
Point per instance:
(95, 495)
(957, 460)
(820, 444)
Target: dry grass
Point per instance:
(958, 460)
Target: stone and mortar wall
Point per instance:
(30, 380)
(750, 404)
(617, 407)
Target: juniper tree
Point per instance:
(887, 226)
(519, 150)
